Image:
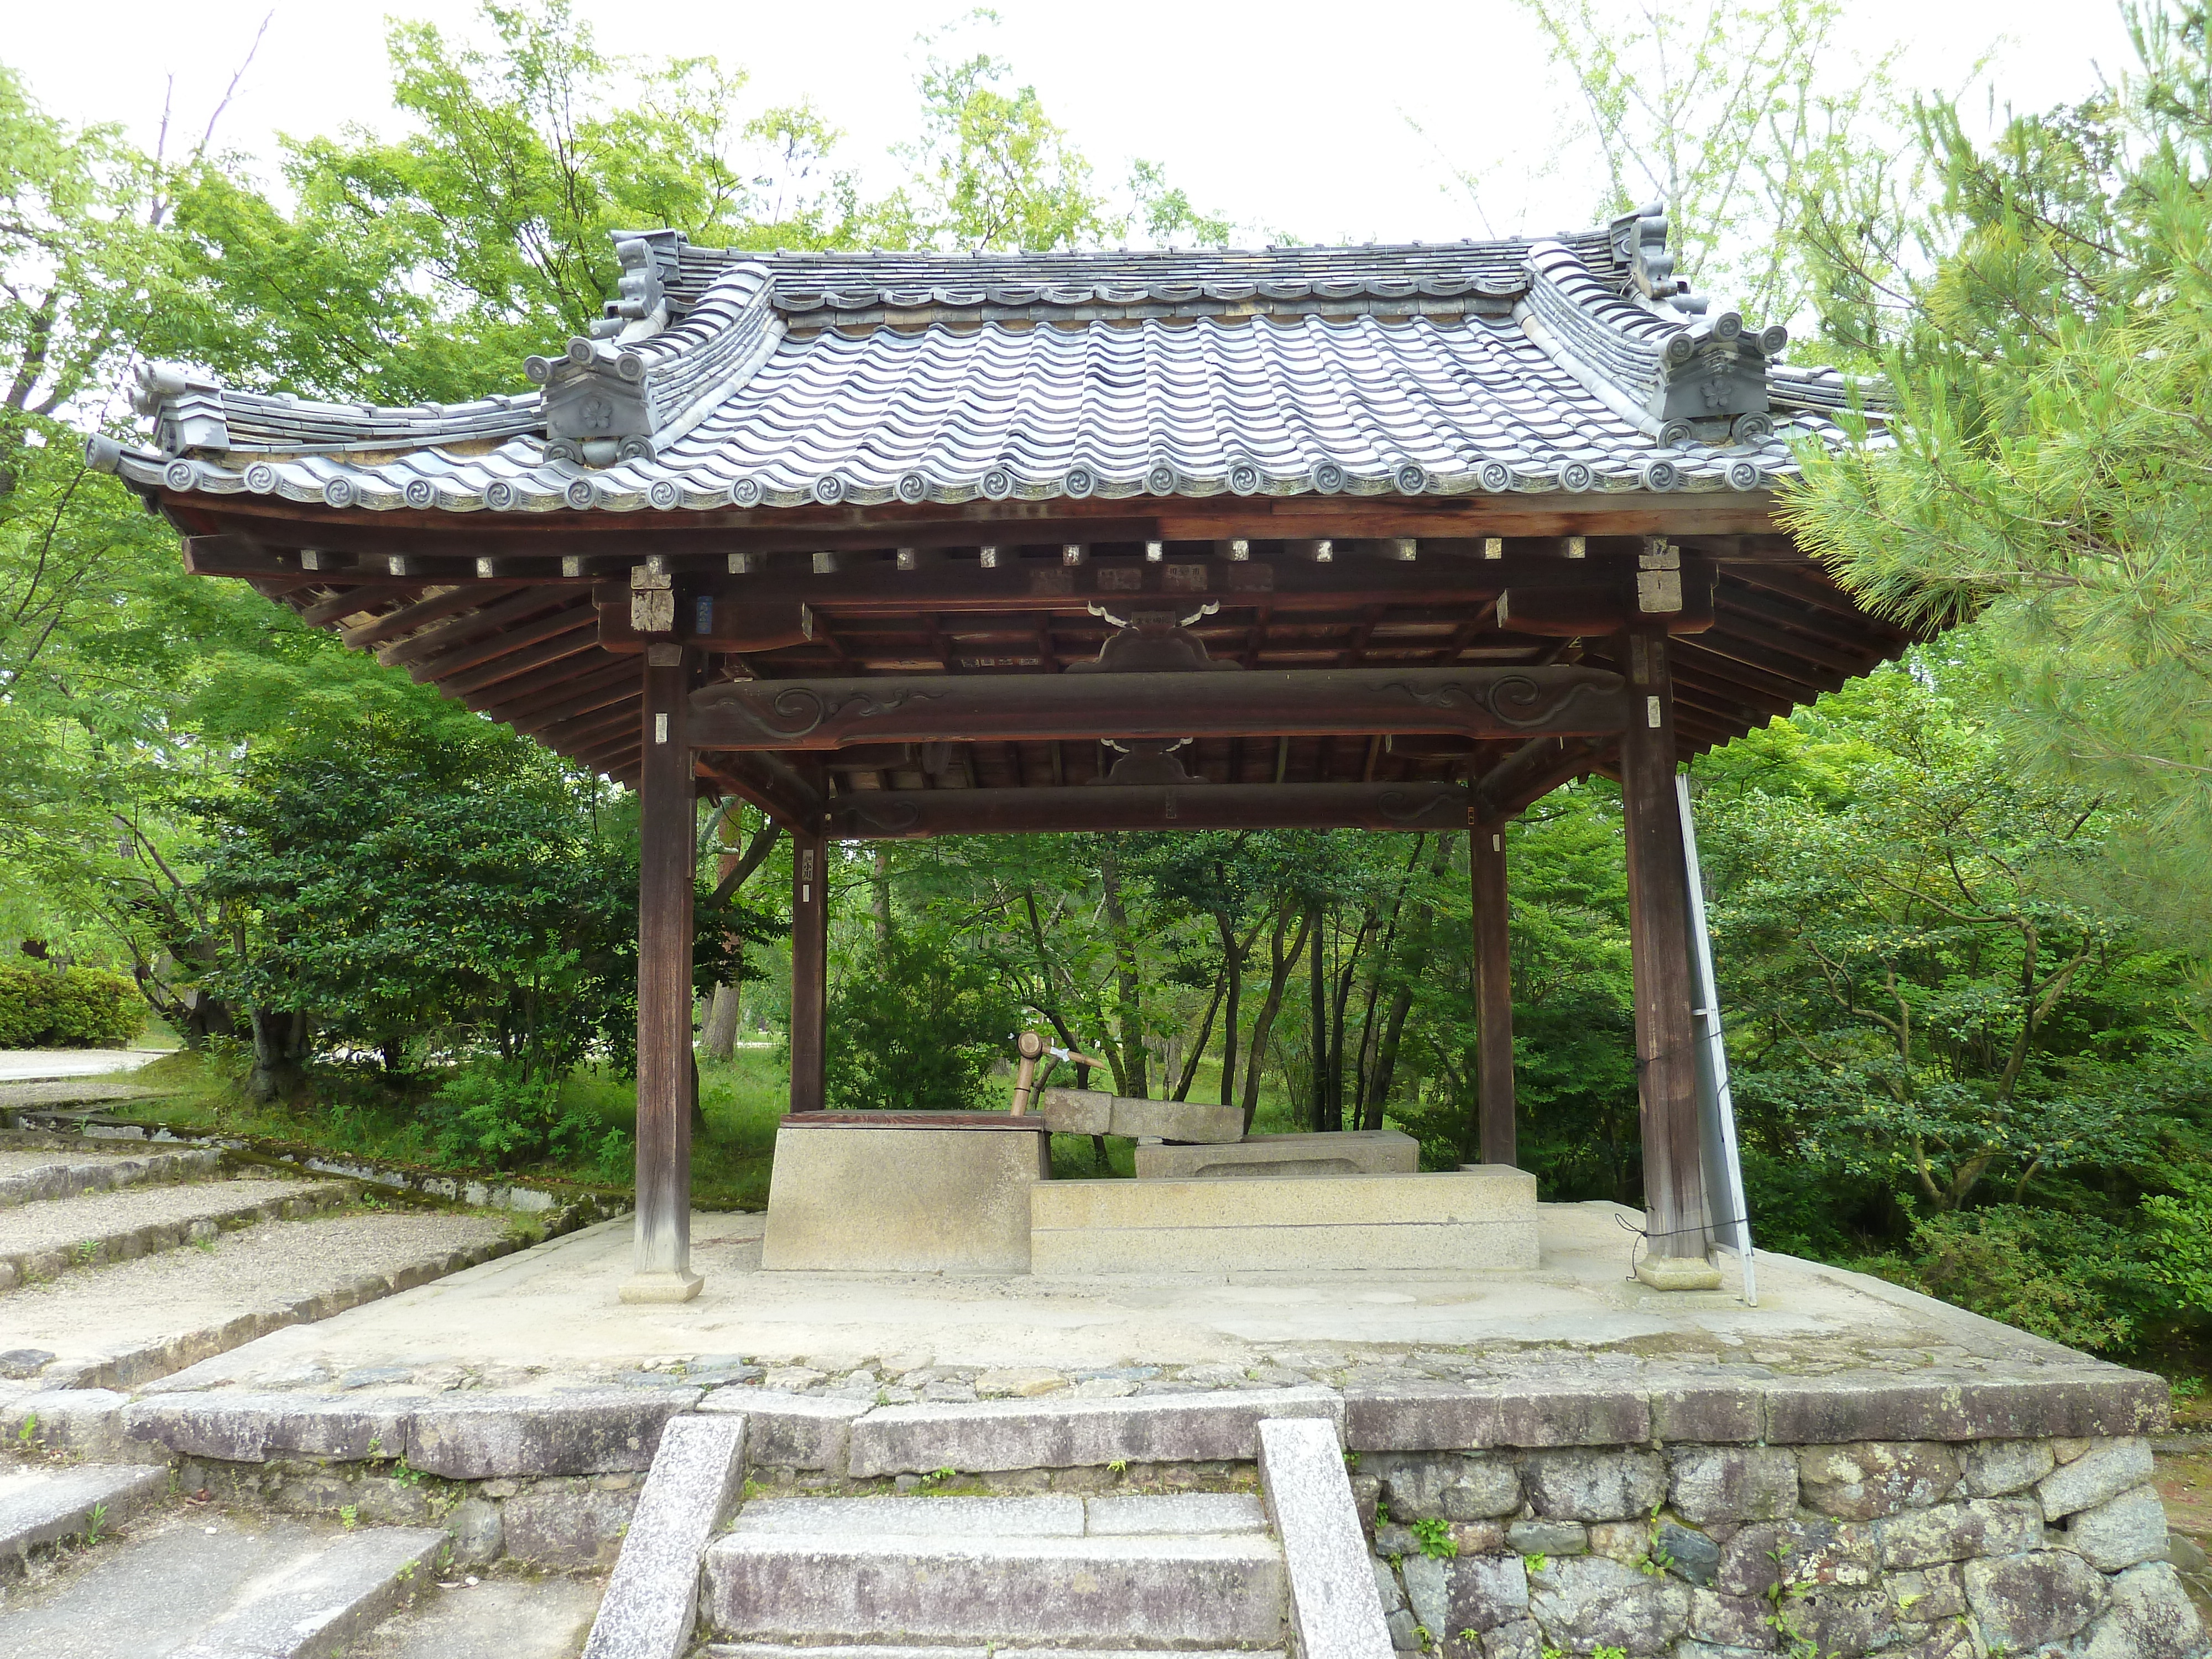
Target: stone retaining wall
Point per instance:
(1512, 1520)
(1916, 1548)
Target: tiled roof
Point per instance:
(729, 379)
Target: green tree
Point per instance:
(2044, 325)
(1729, 114)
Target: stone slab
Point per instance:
(70, 1174)
(543, 1617)
(251, 1427)
(913, 1517)
(488, 1437)
(39, 1507)
(1173, 1512)
(2044, 1403)
(1468, 1220)
(792, 1430)
(1219, 1591)
(908, 1201)
(901, 1650)
(1334, 1609)
(340, 1590)
(83, 1423)
(1354, 1152)
(1440, 1416)
(1095, 1112)
(653, 1599)
(1063, 1433)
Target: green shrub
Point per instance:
(67, 1008)
(508, 1116)
(915, 1030)
(2071, 1278)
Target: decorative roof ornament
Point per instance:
(1639, 246)
(1711, 386)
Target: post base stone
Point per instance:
(1679, 1273)
(665, 1286)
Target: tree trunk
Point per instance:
(1198, 1050)
(719, 1039)
(278, 1041)
(1279, 964)
(1317, 1105)
(880, 883)
(1129, 990)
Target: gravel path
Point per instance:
(63, 1093)
(57, 1221)
(104, 1308)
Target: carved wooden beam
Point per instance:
(1476, 703)
(886, 814)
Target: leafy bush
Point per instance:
(67, 1008)
(2071, 1278)
(918, 1033)
(509, 1117)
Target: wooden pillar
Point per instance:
(661, 1264)
(1493, 994)
(810, 967)
(1676, 1219)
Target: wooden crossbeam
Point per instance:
(909, 814)
(1478, 702)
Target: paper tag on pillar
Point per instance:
(652, 611)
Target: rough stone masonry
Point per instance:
(1917, 1549)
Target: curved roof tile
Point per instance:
(731, 378)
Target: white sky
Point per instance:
(1291, 117)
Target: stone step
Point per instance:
(205, 1585)
(130, 1324)
(40, 1508)
(1117, 1573)
(877, 1651)
(30, 1172)
(537, 1618)
(50, 1237)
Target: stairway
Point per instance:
(951, 1575)
(153, 1576)
(120, 1264)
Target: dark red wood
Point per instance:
(810, 966)
(910, 814)
(1676, 1218)
(1493, 994)
(1483, 703)
(667, 855)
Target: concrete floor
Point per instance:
(550, 1315)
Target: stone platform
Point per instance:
(1612, 1466)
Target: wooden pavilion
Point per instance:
(908, 544)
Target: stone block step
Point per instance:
(30, 1173)
(1136, 1516)
(325, 1598)
(206, 1585)
(42, 1507)
(873, 1650)
(46, 1239)
(1000, 1571)
(537, 1618)
(128, 1325)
